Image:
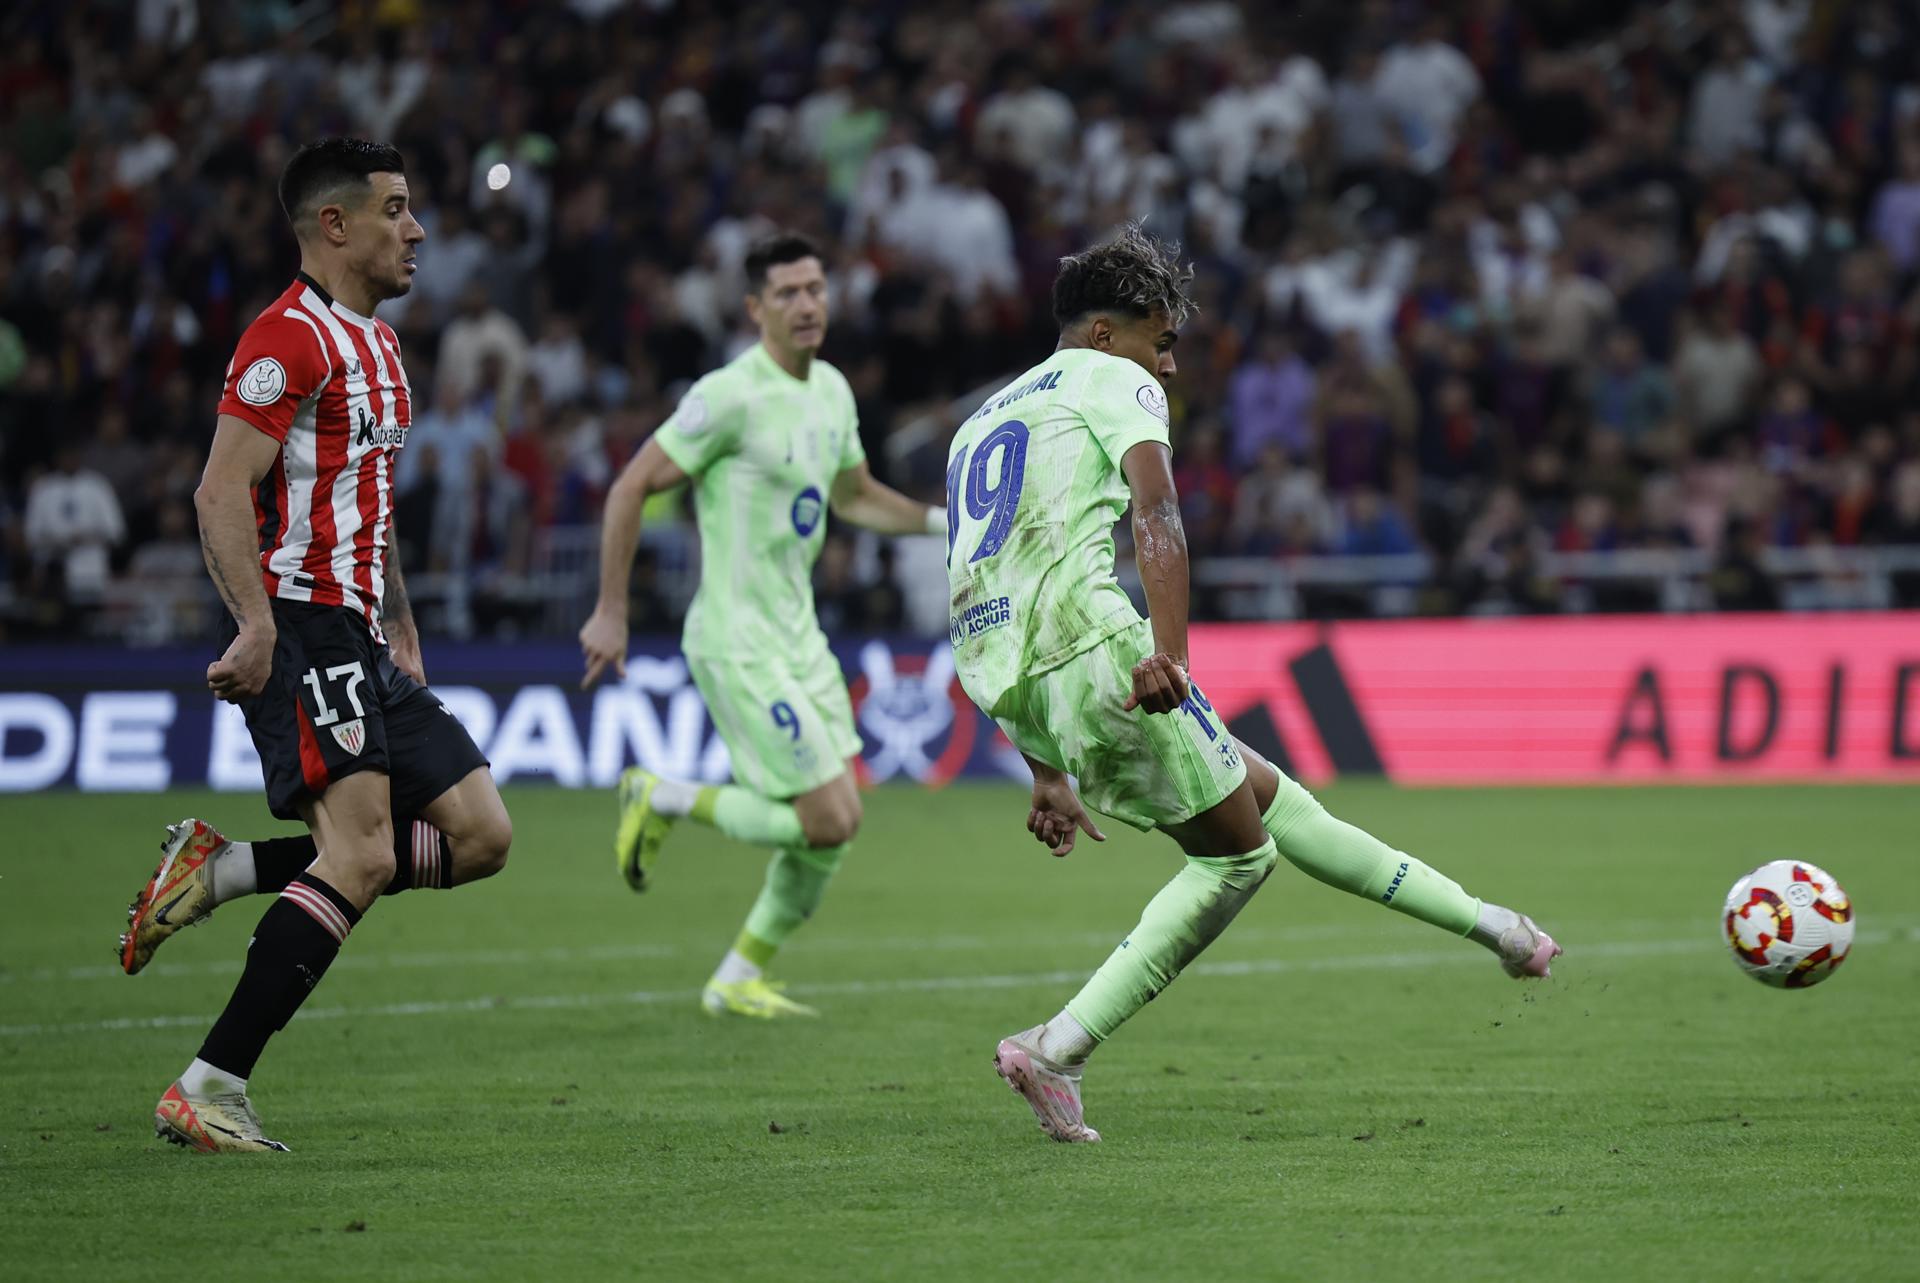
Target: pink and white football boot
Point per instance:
(1053, 1091)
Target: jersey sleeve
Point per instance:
(853, 451)
(278, 365)
(703, 429)
(1124, 405)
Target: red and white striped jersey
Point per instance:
(327, 384)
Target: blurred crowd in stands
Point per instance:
(1485, 280)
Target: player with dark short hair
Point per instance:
(771, 444)
(320, 653)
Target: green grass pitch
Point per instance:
(514, 1081)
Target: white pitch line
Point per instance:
(628, 953)
(927, 984)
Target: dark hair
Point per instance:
(1129, 272)
(321, 169)
(772, 250)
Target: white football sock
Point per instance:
(733, 969)
(202, 1081)
(1065, 1041)
(1495, 921)
(674, 797)
(233, 873)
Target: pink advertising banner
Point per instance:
(1590, 700)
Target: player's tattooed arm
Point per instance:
(396, 617)
(603, 638)
(863, 499)
(1160, 552)
(240, 458)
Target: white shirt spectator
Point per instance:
(558, 363)
(1037, 120)
(1775, 25)
(1714, 376)
(893, 174)
(1353, 291)
(1136, 176)
(169, 23)
(449, 259)
(1428, 84)
(74, 519)
(1205, 22)
(378, 94)
(816, 112)
(1222, 139)
(1789, 226)
(145, 159)
(233, 82)
(469, 340)
(962, 231)
(1724, 117)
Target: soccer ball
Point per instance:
(1789, 924)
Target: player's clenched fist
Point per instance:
(1159, 685)
(242, 672)
(603, 641)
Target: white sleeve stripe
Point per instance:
(307, 321)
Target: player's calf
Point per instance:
(474, 827)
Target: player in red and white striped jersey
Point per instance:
(321, 655)
(327, 384)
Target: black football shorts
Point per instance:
(336, 704)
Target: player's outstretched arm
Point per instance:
(396, 617)
(861, 498)
(1160, 552)
(1056, 817)
(230, 541)
(603, 638)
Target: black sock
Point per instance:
(278, 861)
(293, 946)
(422, 857)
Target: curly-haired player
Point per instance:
(1048, 645)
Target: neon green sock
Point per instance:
(796, 879)
(747, 816)
(1340, 855)
(1176, 925)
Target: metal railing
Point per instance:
(556, 591)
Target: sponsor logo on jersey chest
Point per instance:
(807, 506)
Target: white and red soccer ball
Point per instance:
(1789, 924)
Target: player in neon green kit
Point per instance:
(770, 442)
(1048, 645)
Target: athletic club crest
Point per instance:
(351, 736)
(906, 707)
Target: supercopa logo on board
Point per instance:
(1423, 702)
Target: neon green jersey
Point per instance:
(763, 449)
(1033, 489)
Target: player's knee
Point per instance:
(833, 827)
(1249, 871)
(368, 858)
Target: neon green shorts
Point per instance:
(1142, 768)
(787, 723)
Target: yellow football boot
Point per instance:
(642, 830)
(179, 894)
